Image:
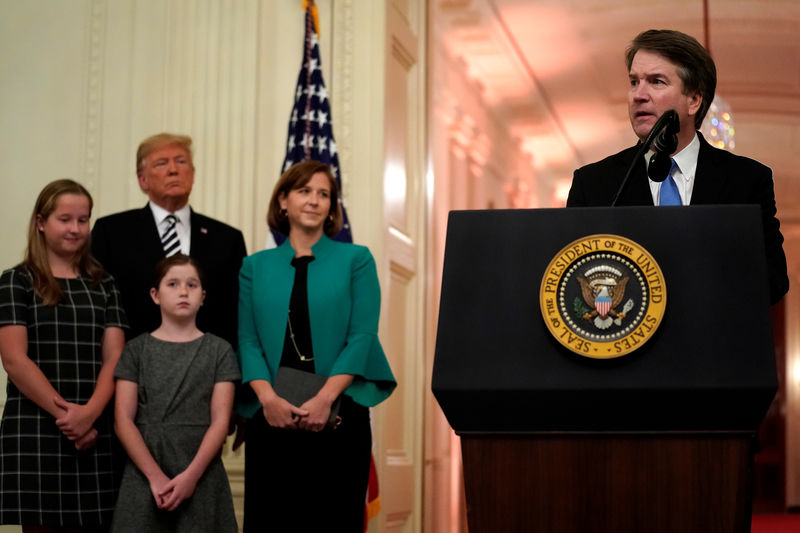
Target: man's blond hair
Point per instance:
(158, 141)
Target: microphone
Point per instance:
(664, 145)
(667, 125)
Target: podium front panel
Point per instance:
(709, 366)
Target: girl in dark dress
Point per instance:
(174, 399)
(60, 338)
(312, 305)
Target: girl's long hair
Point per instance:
(45, 285)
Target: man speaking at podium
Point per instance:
(669, 70)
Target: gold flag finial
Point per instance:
(314, 13)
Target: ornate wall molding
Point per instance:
(343, 28)
(92, 132)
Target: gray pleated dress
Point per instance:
(175, 382)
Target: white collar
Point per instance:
(686, 159)
(159, 213)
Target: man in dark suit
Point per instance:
(671, 70)
(129, 244)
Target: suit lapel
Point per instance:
(150, 239)
(199, 246)
(637, 192)
(708, 178)
(640, 188)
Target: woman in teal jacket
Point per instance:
(311, 304)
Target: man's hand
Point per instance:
(238, 425)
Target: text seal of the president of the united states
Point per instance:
(603, 296)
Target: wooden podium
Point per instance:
(659, 440)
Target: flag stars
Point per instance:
(322, 93)
(308, 116)
(322, 118)
(310, 127)
(310, 91)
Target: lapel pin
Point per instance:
(203, 231)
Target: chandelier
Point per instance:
(717, 127)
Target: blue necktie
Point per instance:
(669, 194)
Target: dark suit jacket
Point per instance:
(721, 178)
(127, 244)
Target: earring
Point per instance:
(283, 213)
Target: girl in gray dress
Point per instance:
(174, 396)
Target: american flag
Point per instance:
(310, 128)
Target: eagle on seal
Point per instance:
(603, 294)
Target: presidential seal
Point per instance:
(603, 296)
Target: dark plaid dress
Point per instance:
(43, 478)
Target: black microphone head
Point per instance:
(673, 122)
(660, 164)
(665, 142)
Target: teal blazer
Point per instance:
(344, 301)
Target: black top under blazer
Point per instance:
(721, 178)
(128, 246)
